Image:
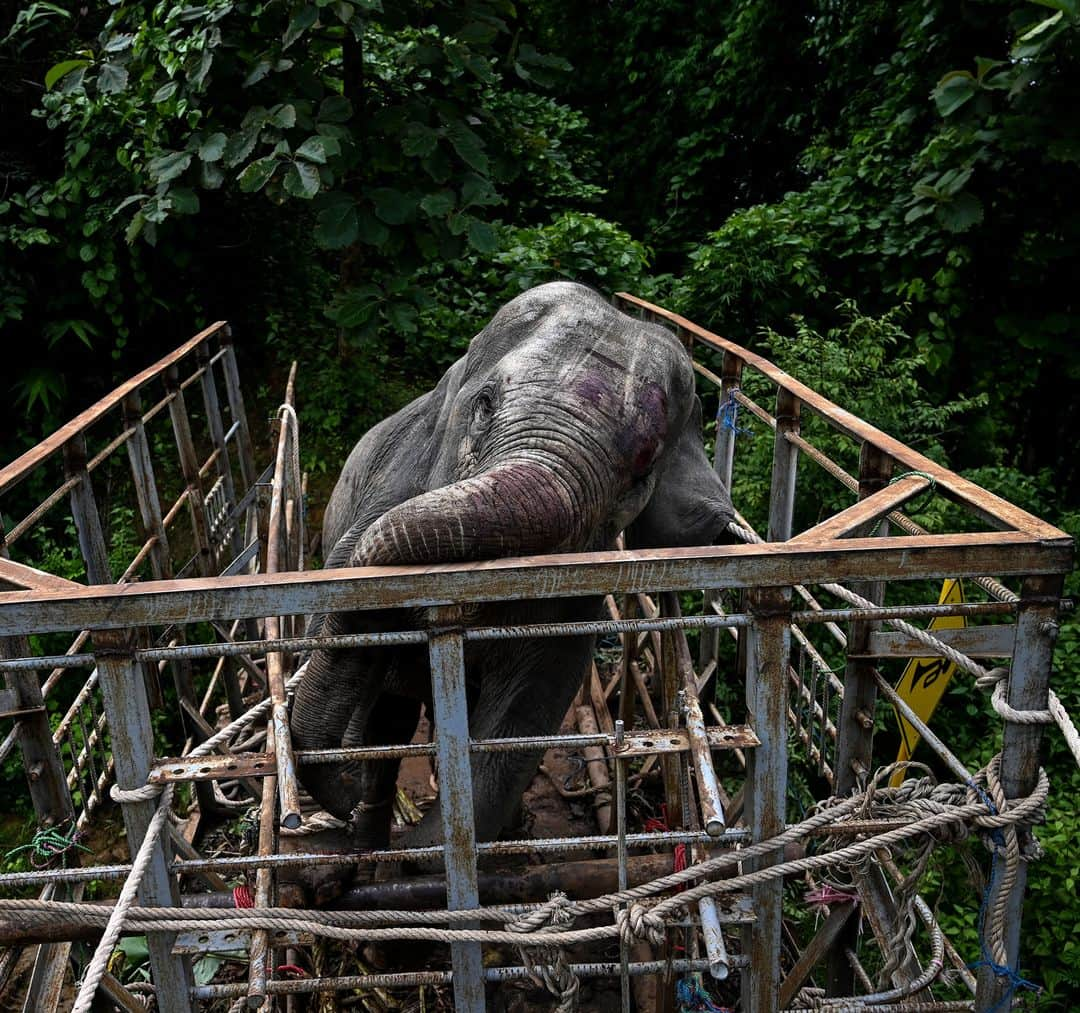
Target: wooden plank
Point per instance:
(778, 564)
(22, 465)
(812, 955)
(985, 503)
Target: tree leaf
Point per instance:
(166, 91)
(482, 237)
(283, 116)
(953, 91)
(58, 70)
(300, 23)
(478, 191)
(256, 175)
(439, 204)
(419, 140)
(302, 180)
(314, 149)
(184, 201)
(392, 206)
(336, 225)
(1070, 7)
(335, 109)
(240, 145)
(112, 78)
(213, 147)
(371, 230)
(168, 166)
(402, 317)
(1041, 27)
(468, 146)
(961, 213)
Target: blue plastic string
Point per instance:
(727, 415)
(1016, 981)
(692, 997)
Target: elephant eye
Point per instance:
(483, 409)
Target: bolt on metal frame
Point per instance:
(237, 530)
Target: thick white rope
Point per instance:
(995, 679)
(128, 895)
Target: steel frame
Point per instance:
(253, 534)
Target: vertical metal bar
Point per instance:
(261, 954)
(446, 647)
(1029, 686)
(146, 491)
(206, 563)
(723, 463)
(670, 764)
(236, 407)
(784, 467)
(730, 378)
(84, 511)
(217, 438)
(132, 739)
(620, 830)
(854, 755)
(768, 644)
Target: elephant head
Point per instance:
(565, 423)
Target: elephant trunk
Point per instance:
(519, 508)
(516, 509)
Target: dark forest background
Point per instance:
(883, 197)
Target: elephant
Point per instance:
(565, 423)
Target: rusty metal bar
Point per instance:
(235, 396)
(189, 466)
(784, 467)
(1029, 687)
(21, 466)
(867, 513)
(146, 490)
(447, 653)
(411, 979)
(131, 733)
(736, 566)
(217, 438)
(982, 502)
(244, 648)
(767, 650)
(260, 962)
(712, 806)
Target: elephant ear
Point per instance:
(394, 461)
(689, 504)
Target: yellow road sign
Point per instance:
(925, 679)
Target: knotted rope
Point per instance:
(48, 844)
(546, 964)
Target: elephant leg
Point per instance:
(526, 688)
(391, 721)
(339, 688)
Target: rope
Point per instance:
(988, 680)
(545, 964)
(644, 919)
(693, 997)
(288, 417)
(727, 415)
(117, 917)
(48, 844)
(921, 498)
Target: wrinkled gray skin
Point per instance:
(565, 423)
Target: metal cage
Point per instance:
(212, 603)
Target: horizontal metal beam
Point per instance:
(637, 744)
(736, 566)
(974, 641)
